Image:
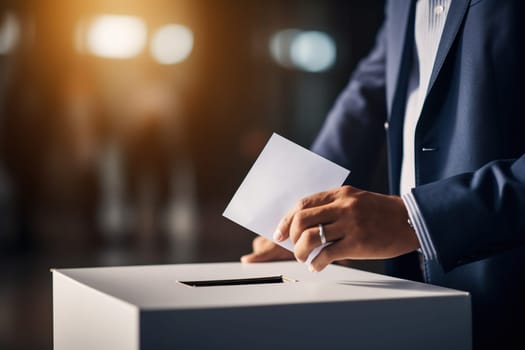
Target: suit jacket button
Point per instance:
(385, 125)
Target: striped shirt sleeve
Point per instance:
(418, 223)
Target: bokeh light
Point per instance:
(171, 44)
(280, 44)
(311, 51)
(116, 36)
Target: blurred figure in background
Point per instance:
(49, 137)
(157, 174)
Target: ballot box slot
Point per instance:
(238, 281)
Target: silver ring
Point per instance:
(321, 234)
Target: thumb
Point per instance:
(256, 257)
(274, 254)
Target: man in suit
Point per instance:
(441, 88)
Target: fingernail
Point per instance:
(311, 268)
(278, 235)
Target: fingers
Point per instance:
(329, 254)
(309, 211)
(269, 255)
(266, 250)
(359, 225)
(310, 219)
(295, 225)
(256, 257)
(261, 243)
(310, 239)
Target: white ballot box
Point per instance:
(278, 305)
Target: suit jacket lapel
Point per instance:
(400, 46)
(456, 13)
(400, 16)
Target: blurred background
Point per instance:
(127, 125)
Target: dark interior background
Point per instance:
(109, 162)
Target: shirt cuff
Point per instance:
(418, 223)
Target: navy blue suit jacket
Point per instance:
(471, 187)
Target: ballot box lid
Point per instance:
(173, 287)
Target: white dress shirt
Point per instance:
(429, 23)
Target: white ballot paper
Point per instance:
(283, 173)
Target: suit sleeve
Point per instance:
(353, 134)
(472, 216)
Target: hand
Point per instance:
(266, 250)
(360, 225)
